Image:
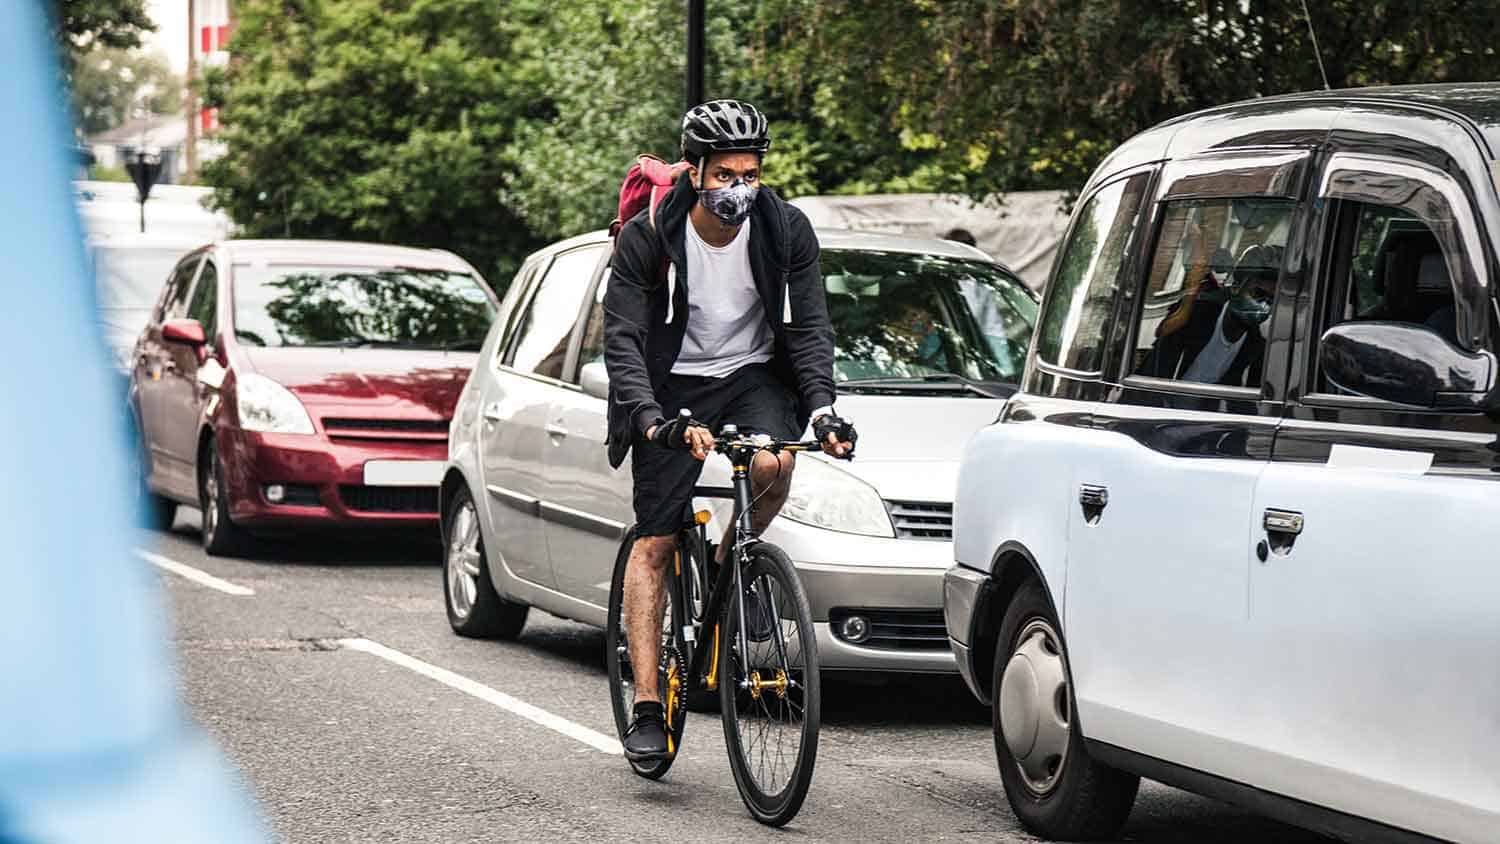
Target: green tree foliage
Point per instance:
(990, 96)
(110, 85)
(82, 25)
(607, 89)
(376, 120)
(491, 127)
(487, 128)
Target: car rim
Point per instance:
(463, 561)
(1034, 709)
(210, 498)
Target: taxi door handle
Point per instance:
(1282, 529)
(1286, 522)
(1093, 498)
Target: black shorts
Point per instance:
(750, 397)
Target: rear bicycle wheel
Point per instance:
(671, 672)
(771, 696)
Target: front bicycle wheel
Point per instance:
(671, 672)
(770, 695)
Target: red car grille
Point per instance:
(406, 430)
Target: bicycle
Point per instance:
(765, 672)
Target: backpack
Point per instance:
(646, 184)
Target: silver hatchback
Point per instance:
(930, 335)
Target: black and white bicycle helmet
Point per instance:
(723, 126)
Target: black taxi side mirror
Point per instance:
(1407, 364)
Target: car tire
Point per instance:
(221, 536)
(475, 609)
(1055, 789)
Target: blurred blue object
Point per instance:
(93, 744)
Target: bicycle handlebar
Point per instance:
(729, 438)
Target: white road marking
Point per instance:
(556, 723)
(196, 575)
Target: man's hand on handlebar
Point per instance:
(836, 435)
(683, 433)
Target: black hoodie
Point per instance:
(641, 345)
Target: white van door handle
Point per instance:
(555, 430)
(492, 412)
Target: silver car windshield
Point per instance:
(911, 316)
(359, 306)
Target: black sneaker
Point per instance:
(646, 739)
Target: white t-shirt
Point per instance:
(1217, 356)
(726, 320)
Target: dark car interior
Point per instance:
(1411, 280)
(1394, 270)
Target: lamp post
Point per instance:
(143, 168)
(191, 100)
(695, 53)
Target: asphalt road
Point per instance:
(341, 744)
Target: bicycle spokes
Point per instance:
(771, 681)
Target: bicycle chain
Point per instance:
(670, 656)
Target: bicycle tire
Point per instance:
(770, 572)
(616, 658)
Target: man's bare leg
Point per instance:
(770, 483)
(645, 601)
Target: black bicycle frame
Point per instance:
(744, 540)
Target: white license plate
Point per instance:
(403, 472)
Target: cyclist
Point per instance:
(715, 303)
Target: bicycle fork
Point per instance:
(744, 537)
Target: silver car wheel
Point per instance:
(463, 561)
(210, 498)
(1034, 707)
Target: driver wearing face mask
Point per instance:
(1224, 343)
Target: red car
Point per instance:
(284, 384)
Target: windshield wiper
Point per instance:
(944, 382)
(357, 343)
(470, 344)
(985, 388)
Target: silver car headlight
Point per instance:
(827, 497)
(268, 407)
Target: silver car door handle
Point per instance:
(1093, 498)
(1286, 522)
(1282, 529)
(554, 429)
(492, 412)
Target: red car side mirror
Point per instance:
(187, 331)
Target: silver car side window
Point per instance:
(542, 341)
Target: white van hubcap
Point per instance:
(1034, 712)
